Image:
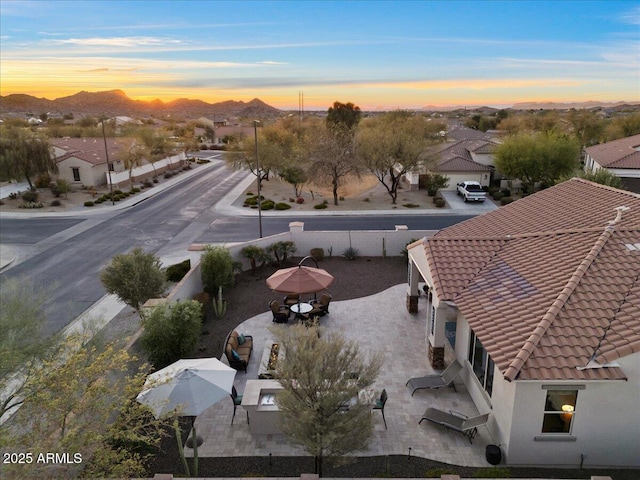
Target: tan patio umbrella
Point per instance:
(300, 279)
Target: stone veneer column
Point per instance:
(436, 357)
(412, 303)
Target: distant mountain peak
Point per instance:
(116, 102)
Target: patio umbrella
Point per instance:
(187, 387)
(299, 280)
(192, 384)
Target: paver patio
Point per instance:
(379, 323)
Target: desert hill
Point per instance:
(116, 102)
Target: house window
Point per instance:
(481, 362)
(559, 410)
(76, 174)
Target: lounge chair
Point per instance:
(456, 421)
(439, 380)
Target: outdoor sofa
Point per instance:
(238, 349)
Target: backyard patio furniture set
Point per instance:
(304, 311)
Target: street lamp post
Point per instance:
(258, 175)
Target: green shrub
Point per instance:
(177, 271)
(439, 202)
(117, 192)
(249, 194)
(98, 201)
(282, 206)
(134, 277)
(411, 205)
(217, 269)
(498, 195)
(251, 201)
(267, 205)
(55, 203)
(506, 200)
(134, 190)
(203, 299)
(506, 192)
(492, 472)
(171, 331)
(30, 196)
(438, 472)
(320, 206)
(282, 250)
(89, 204)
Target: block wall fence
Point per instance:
(370, 243)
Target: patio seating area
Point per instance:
(379, 323)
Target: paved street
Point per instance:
(65, 252)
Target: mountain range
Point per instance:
(116, 102)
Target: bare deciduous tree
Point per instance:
(392, 145)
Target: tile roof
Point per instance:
(90, 150)
(621, 153)
(550, 284)
(456, 157)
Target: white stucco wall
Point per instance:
(605, 430)
(483, 158)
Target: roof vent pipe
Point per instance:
(619, 211)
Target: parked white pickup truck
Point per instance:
(471, 191)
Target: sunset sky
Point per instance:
(376, 54)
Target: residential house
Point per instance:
(540, 302)
(460, 161)
(621, 157)
(83, 161)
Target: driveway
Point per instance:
(458, 205)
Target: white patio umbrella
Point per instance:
(187, 388)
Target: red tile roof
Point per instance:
(550, 284)
(90, 150)
(622, 153)
(456, 157)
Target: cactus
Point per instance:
(219, 305)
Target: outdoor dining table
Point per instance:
(301, 308)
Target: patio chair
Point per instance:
(289, 300)
(456, 421)
(439, 380)
(320, 307)
(280, 312)
(379, 405)
(237, 400)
